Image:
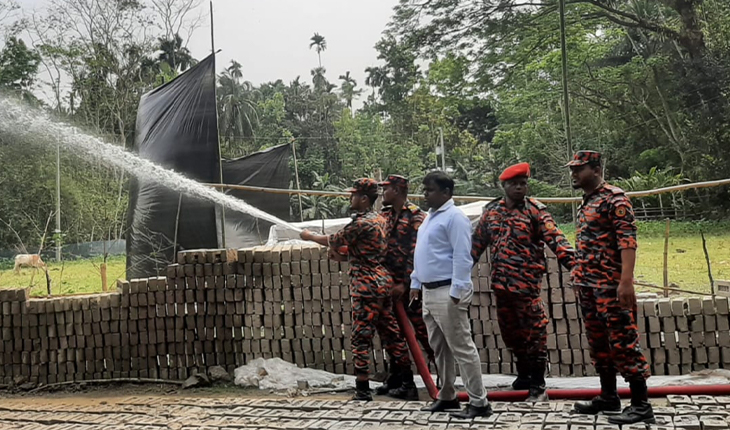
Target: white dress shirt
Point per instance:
(443, 250)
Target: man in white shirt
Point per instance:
(442, 269)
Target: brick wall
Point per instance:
(218, 308)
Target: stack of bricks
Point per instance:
(681, 335)
(229, 308)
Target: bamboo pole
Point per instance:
(708, 184)
(666, 259)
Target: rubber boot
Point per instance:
(407, 390)
(523, 375)
(608, 401)
(640, 410)
(362, 391)
(538, 391)
(393, 381)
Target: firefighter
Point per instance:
(604, 274)
(516, 229)
(370, 284)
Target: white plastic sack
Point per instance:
(277, 374)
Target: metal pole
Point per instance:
(443, 151)
(220, 154)
(296, 176)
(57, 233)
(566, 96)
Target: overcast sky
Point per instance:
(270, 38)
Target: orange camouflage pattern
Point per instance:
(366, 244)
(612, 334)
(370, 281)
(402, 231)
(371, 315)
(516, 239)
(606, 225)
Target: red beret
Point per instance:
(521, 169)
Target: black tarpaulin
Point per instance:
(268, 168)
(177, 129)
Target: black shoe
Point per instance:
(538, 387)
(597, 405)
(523, 375)
(537, 395)
(442, 405)
(521, 383)
(393, 381)
(472, 411)
(405, 392)
(362, 391)
(638, 413)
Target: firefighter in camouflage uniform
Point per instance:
(516, 230)
(604, 274)
(403, 219)
(370, 285)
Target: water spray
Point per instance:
(23, 121)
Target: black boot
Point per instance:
(407, 390)
(362, 391)
(538, 391)
(393, 381)
(640, 410)
(523, 375)
(608, 401)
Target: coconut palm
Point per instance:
(319, 44)
(238, 115)
(347, 88)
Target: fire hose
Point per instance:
(567, 394)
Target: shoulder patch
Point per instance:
(413, 208)
(491, 205)
(537, 203)
(620, 212)
(550, 226)
(614, 190)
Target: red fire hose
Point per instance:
(510, 396)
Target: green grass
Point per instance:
(74, 277)
(686, 265)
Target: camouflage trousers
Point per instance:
(523, 323)
(415, 316)
(375, 315)
(612, 334)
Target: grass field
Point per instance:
(686, 265)
(78, 276)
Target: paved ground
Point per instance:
(179, 413)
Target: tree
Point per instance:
(348, 89)
(174, 54)
(238, 110)
(320, 45)
(18, 68)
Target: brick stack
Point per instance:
(228, 308)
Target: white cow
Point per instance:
(28, 260)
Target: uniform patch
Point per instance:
(621, 212)
(550, 225)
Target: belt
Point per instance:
(437, 284)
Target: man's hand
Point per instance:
(306, 235)
(455, 300)
(398, 290)
(626, 294)
(414, 295)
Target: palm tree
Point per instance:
(319, 44)
(319, 80)
(175, 54)
(238, 115)
(348, 89)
